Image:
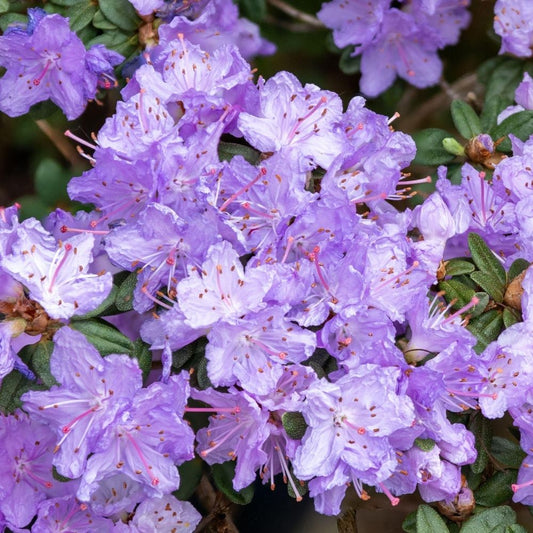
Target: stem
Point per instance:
(296, 13)
(63, 145)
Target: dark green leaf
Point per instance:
(143, 354)
(11, 389)
(58, 477)
(465, 119)
(223, 475)
(481, 429)
(485, 259)
(4, 6)
(497, 489)
(100, 22)
(490, 520)
(409, 524)
(11, 18)
(81, 15)
(429, 521)
(195, 349)
(254, 9)
(506, 452)
(486, 69)
(121, 13)
(103, 336)
(294, 424)
(124, 298)
(454, 267)
(519, 124)
(302, 488)
(510, 317)
(484, 299)
(473, 480)
(490, 284)
(518, 266)
(227, 150)
(486, 327)
(491, 109)
(429, 149)
(201, 375)
(426, 445)
(40, 361)
(190, 475)
(68, 2)
(348, 63)
(454, 173)
(504, 79)
(455, 290)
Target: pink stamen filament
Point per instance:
(287, 474)
(67, 249)
(67, 229)
(153, 479)
(37, 81)
(394, 501)
(45, 483)
(299, 121)
(266, 349)
(517, 486)
(242, 190)
(118, 209)
(66, 428)
(473, 302)
(401, 53)
(76, 509)
(144, 290)
(483, 211)
(397, 278)
(219, 443)
(290, 242)
(313, 256)
(369, 198)
(427, 179)
(69, 134)
(262, 214)
(360, 430)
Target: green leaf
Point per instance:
(254, 9)
(227, 150)
(11, 18)
(195, 349)
(497, 489)
(455, 290)
(223, 475)
(58, 477)
(302, 488)
(465, 119)
(451, 145)
(409, 524)
(39, 360)
(429, 149)
(429, 521)
(503, 79)
(143, 354)
(100, 22)
(11, 389)
(190, 476)
(518, 266)
(4, 6)
(491, 109)
(490, 521)
(481, 429)
(506, 452)
(519, 124)
(454, 267)
(121, 13)
(294, 424)
(348, 63)
(202, 376)
(485, 259)
(116, 40)
(426, 445)
(81, 15)
(68, 2)
(486, 327)
(510, 317)
(103, 336)
(124, 297)
(490, 284)
(484, 299)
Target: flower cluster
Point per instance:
(279, 290)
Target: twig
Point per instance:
(68, 151)
(296, 13)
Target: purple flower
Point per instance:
(92, 392)
(513, 22)
(47, 62)
(65, 515)
(523, 488)
(145, 442)
(56, 273)
(26, 451)
(301, 120)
